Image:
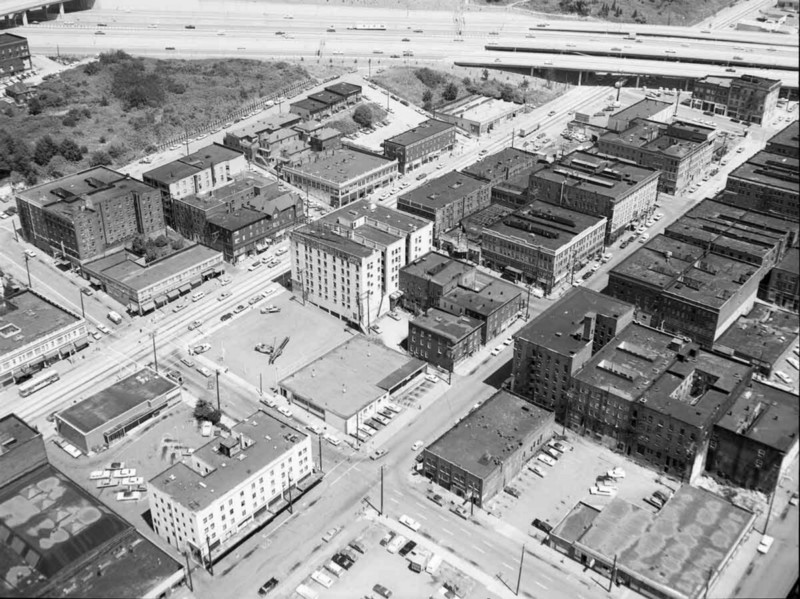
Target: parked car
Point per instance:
(436, 498)
(188, 362)
(538, 470)
(285, 411)
(546, 459)
(330, 534)
(87, 291)
(332, 440)
(378, 454)
(513, 492)
(223, 295)
(381, 590)
(202, 348)
(417, 446)
(268, 586)
(270, 309)
(227, 316)
(410, 522)
(542, 525)
(204, 371)
(263, 348)
(239, 308)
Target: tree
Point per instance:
(99, 158)
(138, 245)
(204, 410)
(70, 150)
(44, 150)
(161, 241)
(362, 115)
(177, 244)
(150, 254)
(485, 74)
(450, 92)
(59, 167)
(34, 106)
(427, 96)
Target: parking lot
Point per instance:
(568, 481)
(378, 566)
(311, 333)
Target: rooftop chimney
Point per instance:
(588, 327)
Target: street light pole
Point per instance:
(155, 356)
(218, 408)
(83, 310)
(28, 269)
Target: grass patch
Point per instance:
(429, 88)
(656, 12)
(120, 106)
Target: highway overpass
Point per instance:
(16, 12)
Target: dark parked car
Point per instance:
(512, 491)
(268, 586)
(542, 525)
(342, 560)
(226, 316)
(406, 549)
(437, 499)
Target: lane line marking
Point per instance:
(447, 531)
(509, 567)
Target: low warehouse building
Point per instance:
(481, 453)
(352, 383)
(110, 414)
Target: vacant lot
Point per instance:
(415, 83)
(656, 12)
(112, 110)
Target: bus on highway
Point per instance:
(368, 27)
(37, 383)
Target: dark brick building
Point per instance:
(443, 339)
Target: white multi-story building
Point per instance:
(210, 501)
(349, 262)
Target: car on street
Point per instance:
(378, 454)
(436, 498)
(96, 335)
(405, 39)
(254, 266)
(188, 362)
(285, 411)
(417, 446)
(30, 253)
(256, 298)
(542, 525)
(322, 579)
(103, 329)
(461, 511)
(225, 280)
(381, 590)
(314, 428)
(204, 371)
(223, 295)
(377, 329)
(765, 544)
(263, 348)
(394, 315)
(496, 351)
(239, 308)
(330, 534)
(195, 324)
(268, 586)
(179, 307)
(202, 348)
(270, 309)
(332, 440)
(551, 113)
(87, 291)
(410, 522)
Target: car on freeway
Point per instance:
(405, 39)
(263, 348)
(268, 586)
(378, 454)
(239, 308)
(99, 32)
(224, 295)
(331, 30)
(204, 371)
(542, 525)
(226, 317)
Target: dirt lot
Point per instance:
(378, 566)
(572, 476)
(311, 333)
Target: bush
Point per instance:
(161, 241)
(429, 77)
(92, 68)
(363, 116)
(115, 151)
(177, 244)
(34, 106)
(136, 88)
(114, 57)
(70, 150)
(450, 92)
(204, 410)
(44, 150)
(100, 158)
(138, 245)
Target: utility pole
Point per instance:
(188, 571)
(209, 565)
(218, 408)
(528, 304)
(291, 507)
(28, 268)
(381, 491)
(613, 574)
(83, 310)
(519, 575)
(260, 385)
(319, 439)
(155, 355)
(771, 501)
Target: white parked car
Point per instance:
(417, 445)
(133, 480)
(129, 496)
(332, 440)
(315, 428)
(538, 470)
(125, 473)
(496, 351)
(322, 579)
(30, 253)
(410, 522)
(616, 473)
(285, 411)
(103, 329)
(765, 544)
(546, 459)
(783, 376)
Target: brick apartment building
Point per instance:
(425, 280)
(88, 214)
(446, 200)
(252, 138)
(543, 244)
(508, 171)
(623, 193)
(421, 144)
(749, 98)
(682, 151)
(782, 284)
(444, 339)
(15, 56)
(768, 183)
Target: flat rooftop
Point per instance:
(326, 97)
(197, 161)
(544, 225)
(573, 526)
(240, 185)
(14, 432)
(63, 535)
(791, 261)
(716, 80)
(335, 242)
(28, 316)
(268, 436)
(556, 327)
(474, 224)
(773, 170)
(351, 376)
(344, 89)
(496, 167)
(424, 130)
(438, 193)
(233, 221)
(439, 268)
(75, 192)
(366, 212)
(376, 236)
(266, 125)
(764, 334)
(787, 138)
(492, 432)
(483, 297)
(643, 109)
(97, 410)
(452, 327)
(713, 281)
(765, 414)
(121, 267)
(343, 166)
(659, 262)
(310, 105)
(653, 137)
(673, 549)
(600, 175)
(479, 108)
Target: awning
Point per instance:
(19, 373)
(67, 350)
(161, 300)
(196, 282)
(147, 307)
(220, 270)
(94, 281)
(81, 343)
(184, 289)
(133, 307)
(173, 294)
(208, 273)
(512, 270)
(35, 363)
(51, 355)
